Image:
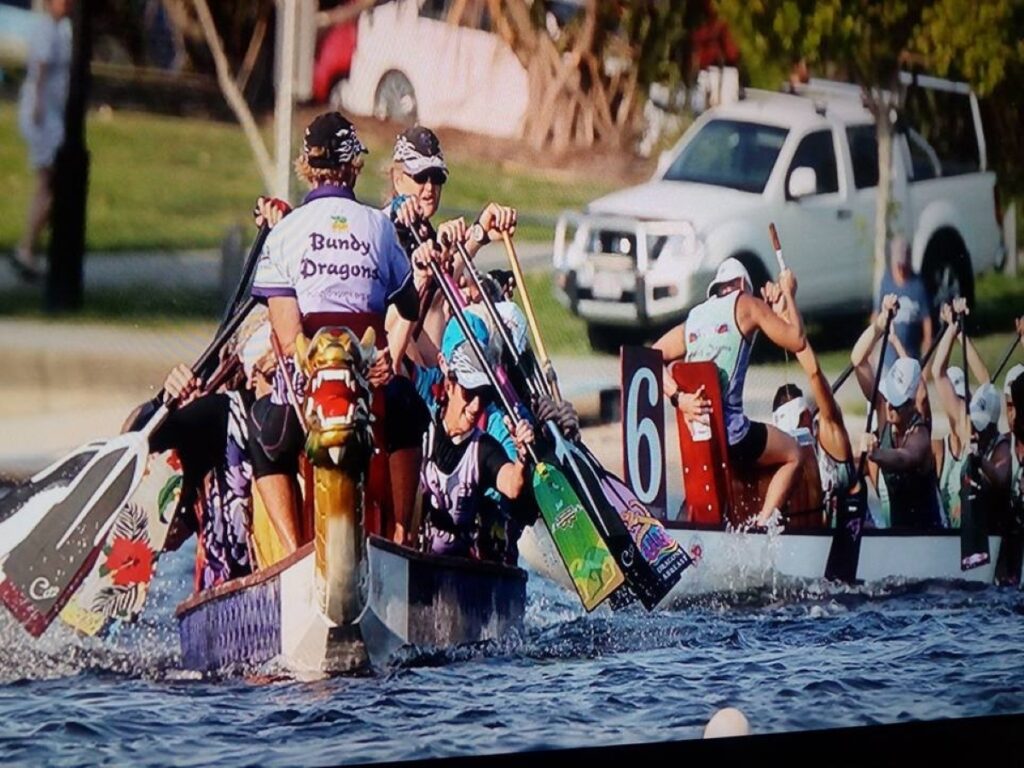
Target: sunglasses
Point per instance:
(435, 175)
(484, 394)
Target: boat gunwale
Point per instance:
(679, 525)
(456, 563)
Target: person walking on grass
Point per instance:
(41, 106)
(913, 322)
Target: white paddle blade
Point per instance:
(43, 570)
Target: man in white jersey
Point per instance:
(722, 329)
(334, 262)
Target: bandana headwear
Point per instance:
(787, 416)
(418, 150)
(331, 141)
(466, 366)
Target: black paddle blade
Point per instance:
(844, 554)
(43, 571)
(54, 477)
(973, 517)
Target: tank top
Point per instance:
(836, 479)
(950, 482)
(712, 334)
(911, 498)
(991, 497)
(453, 495)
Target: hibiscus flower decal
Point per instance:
(129, 561)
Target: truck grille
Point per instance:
(621, 243)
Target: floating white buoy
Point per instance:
(727, 722)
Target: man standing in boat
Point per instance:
(791, 412)
(332, 261)
(722, 330)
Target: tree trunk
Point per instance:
(234, 96)
(881, 107)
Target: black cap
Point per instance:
(418, 149)
(331, 141)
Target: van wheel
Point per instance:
(946, 272)
(604, 338)
(395, 99)
(334, 95)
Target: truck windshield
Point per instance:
(729, 153)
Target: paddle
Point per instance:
(841, 379)
(973, 515)
(545, 361)
(1006, 357)
(52, 539)
(587, 557)
(844, 552)
(248, 270)
(651, 560)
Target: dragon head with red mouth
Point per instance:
(336, 405)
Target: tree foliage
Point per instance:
(588, 78)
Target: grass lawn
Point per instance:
(166, 183)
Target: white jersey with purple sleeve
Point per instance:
(333, 254)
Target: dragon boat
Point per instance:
(349, 598)
(718, 498)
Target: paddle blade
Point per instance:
(43, 570)
(587, 558)
(844, 552)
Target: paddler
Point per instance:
(461, 461)
(722, 329)
(791, 411)
(209, 433)
(1017, 458)
(336, 262)
(906, 482)
(950, 385)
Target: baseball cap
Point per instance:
(418, 150)
(900, 383)
(1011, 376)
(453, 335)
(514, 320)
(331, 141)
(955, 374)
(728, 271)
(787, 416)
(985, 406)
(467, 368)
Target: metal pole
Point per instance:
(283, 107)
(71, 179)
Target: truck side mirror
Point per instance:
(803, 181)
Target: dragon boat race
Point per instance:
(399, 380)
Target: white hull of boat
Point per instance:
(731, 561)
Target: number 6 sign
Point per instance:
(643, 427)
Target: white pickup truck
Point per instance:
(643, 256)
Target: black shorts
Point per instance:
(276, 437)
(749, 449)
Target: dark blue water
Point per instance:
(801, 658)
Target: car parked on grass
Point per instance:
(643, 256)
(411, 64)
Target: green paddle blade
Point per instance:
(587, 558)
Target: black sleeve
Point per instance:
(198, 432)
(492, 458)
(407, 301)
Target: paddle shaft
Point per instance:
(459, 314)
(248, 268)
(531, 318)
(537, 385)
(862, 465)
(1006, 357)
(924, 361)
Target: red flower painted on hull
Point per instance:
(130, 562)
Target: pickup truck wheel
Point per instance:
(395, 99)
(605, 338)
(946, 272)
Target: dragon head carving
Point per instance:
(336, 405)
